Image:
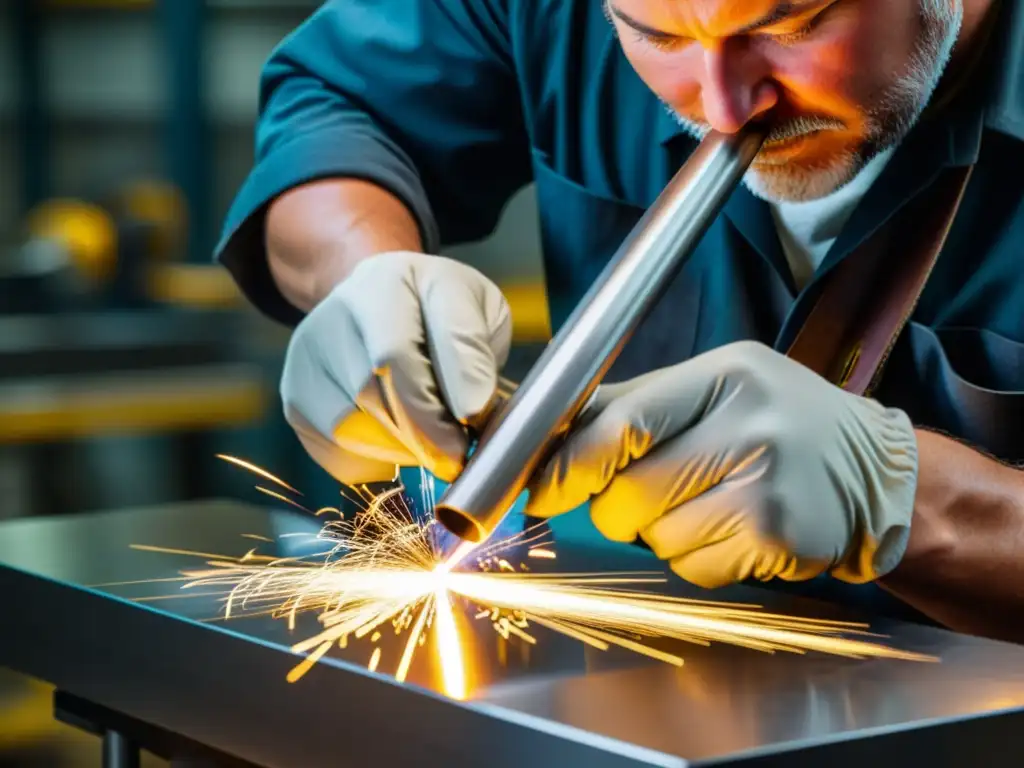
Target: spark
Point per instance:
(282, 497)
(410, 647)
(257, 537)
(546, 554)
(384, 567)
(258, 471)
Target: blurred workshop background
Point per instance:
(127, 359)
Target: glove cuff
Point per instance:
(886, 450)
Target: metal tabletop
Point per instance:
(222, 684)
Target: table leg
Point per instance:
(119, 752)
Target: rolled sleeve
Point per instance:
(417, 96)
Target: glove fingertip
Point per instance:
(536, 508)
(470, 395)
(612, 523)
(682, 568)
(445, 468)
(541, 502)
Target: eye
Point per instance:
(659, 42)
(796, 32)
(791, 37)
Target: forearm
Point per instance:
(964, 564)
(318, 232)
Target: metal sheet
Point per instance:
(565, 705)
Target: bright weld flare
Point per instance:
(453, 668)
(383, 568)
(546, 554)
(652, 616)
(461, 553)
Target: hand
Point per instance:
(392, 366)
(738, 464)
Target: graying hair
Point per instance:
(946, 11)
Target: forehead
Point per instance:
(710, 17)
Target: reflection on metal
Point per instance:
(571, 705)
(517, 439)
(386, 565)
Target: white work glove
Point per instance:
(393, 365)
(738, 464)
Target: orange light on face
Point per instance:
(712, 62)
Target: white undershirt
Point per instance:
(808, 230)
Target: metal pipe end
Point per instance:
(465, 526)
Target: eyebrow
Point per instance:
(781, 12)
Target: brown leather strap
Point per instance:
(869, 297)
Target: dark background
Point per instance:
(126, 126)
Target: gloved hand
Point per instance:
(741, 463)
(392, 366)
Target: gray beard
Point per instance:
(890, 119)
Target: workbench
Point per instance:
(159, 675)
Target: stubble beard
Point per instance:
(890, 118)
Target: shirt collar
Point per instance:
(1004, 105)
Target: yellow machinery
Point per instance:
(113, 253)
(79, 249)
(104, 332)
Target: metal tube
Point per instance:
(119, 751)
(523, 431)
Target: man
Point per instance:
(390, 127)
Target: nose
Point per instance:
(736, 86)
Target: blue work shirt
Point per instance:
(454, 105)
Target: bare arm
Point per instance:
(444, 134)
(964, 564)
(318, 232)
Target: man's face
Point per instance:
(838, 80)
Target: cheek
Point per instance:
(888, 33)
(848, 65)
(674, 77)
(840, 70)
(816, 76)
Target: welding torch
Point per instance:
(524, 430)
